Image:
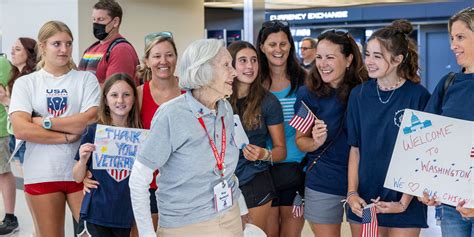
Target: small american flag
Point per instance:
(303, 119)
(298, 205)
(369, 222)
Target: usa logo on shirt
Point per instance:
(57, 101)
(118, 175)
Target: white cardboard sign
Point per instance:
(116, 147)
(433, 154)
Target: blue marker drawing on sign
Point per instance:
(416, 124)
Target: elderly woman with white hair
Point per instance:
(191, 143)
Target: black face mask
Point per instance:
(99, 31)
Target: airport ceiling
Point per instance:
(301, 4)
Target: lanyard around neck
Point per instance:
(219, 158)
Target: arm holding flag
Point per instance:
(312, 139)
(394, 207)
(355, 202)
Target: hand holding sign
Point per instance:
(85, 151)
(432, 155)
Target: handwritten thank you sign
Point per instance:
(116, 149)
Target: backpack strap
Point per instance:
(447, 84)
(112, 45)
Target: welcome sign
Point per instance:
(433, 154)
(116, 147)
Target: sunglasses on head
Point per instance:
(274, 23)
(336, 31)
(152, 36)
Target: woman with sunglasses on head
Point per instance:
(453, 102)
(338, 69)
(262, 119)
(374, 115)
(282, 75)
(50, 109)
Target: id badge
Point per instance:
(222, 196)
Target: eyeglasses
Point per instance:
(273, 23)
(152, 36)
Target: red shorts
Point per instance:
(66, 187)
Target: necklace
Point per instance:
(391, 87)
(389, 97)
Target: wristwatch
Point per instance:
(47, 123)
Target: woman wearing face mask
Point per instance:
(52, 137)
(282, 75)
(392, 61)
(338, 69)
(192, 146)
(454, 103)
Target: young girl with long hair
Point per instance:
(262, 119)
(107, 210)
(374, 115)
(50, 109)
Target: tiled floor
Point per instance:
(26, 223)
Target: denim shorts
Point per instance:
(453, 224)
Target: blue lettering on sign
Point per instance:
(114, 162)
(125, 149)
(123, 135)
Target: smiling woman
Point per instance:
(452, 102)
(201, 202)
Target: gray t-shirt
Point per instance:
(179, 148)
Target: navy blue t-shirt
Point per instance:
(110, 204)
(458, 100)
(329, 174)
(373, 126)
(271, 114)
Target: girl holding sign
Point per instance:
(107, 210)
(50, 109)
(339, 68)
(374, 115)
(262, 118)
(456, 101)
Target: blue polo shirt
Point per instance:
(179, 148)
(329, 174)
(372, 126)
(271, 114)
(293, 154)
(110, 204)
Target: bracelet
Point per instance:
(268, 155)
(350, 194)
(67, 140)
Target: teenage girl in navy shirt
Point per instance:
(339, 68)
(374, 114)
(107, 209)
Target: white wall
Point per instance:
(185, 18)
(24, 18)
